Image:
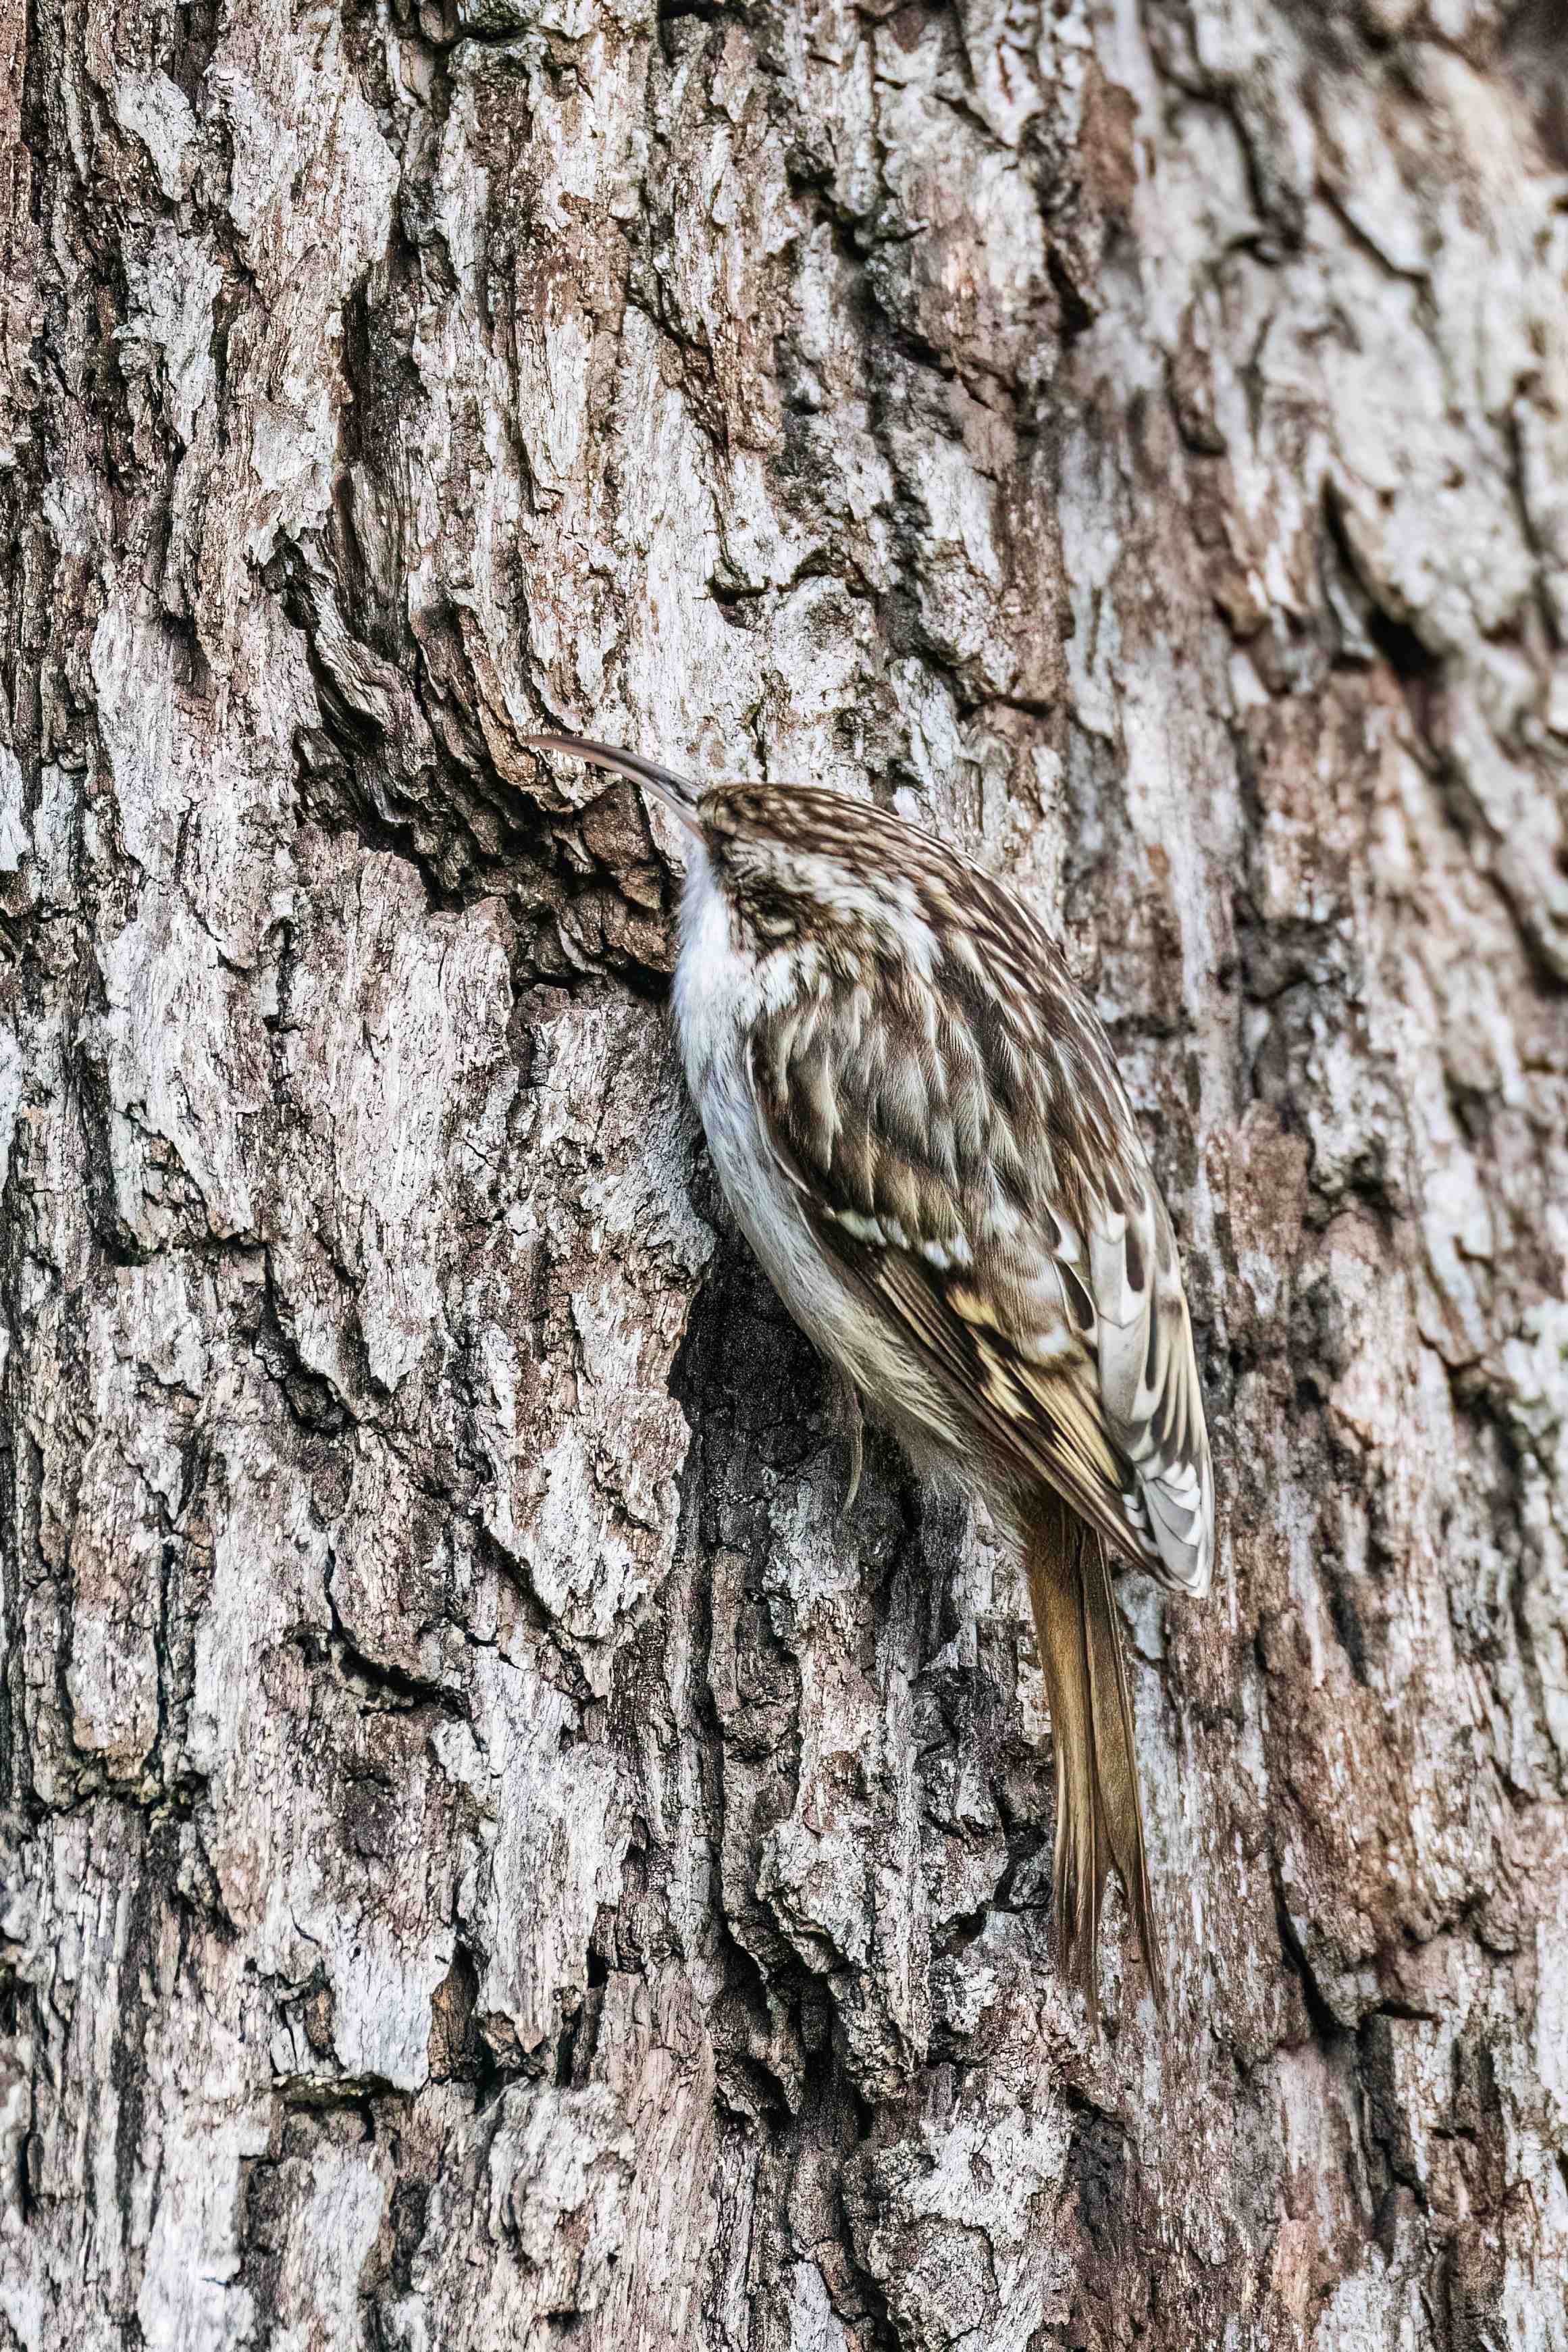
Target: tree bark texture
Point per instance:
(491, 1858)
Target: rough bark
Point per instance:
(491, 1858)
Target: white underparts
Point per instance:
(720, 993)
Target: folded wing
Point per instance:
(979, 1174)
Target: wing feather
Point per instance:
(1024, 1255)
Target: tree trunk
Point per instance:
(492, 1858)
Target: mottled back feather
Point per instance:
(958, 1138)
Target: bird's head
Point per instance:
(799, 862)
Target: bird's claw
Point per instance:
(850, 1405)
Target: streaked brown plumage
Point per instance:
(918, 1120)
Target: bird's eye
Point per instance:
(772, 919)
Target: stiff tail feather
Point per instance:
(1099, 1822)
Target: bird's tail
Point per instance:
(1098, 1818)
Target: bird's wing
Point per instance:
(981, 1177)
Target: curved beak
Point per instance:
(675, 791)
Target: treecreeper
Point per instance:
(917, 1120)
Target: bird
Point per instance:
(917, 1120)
